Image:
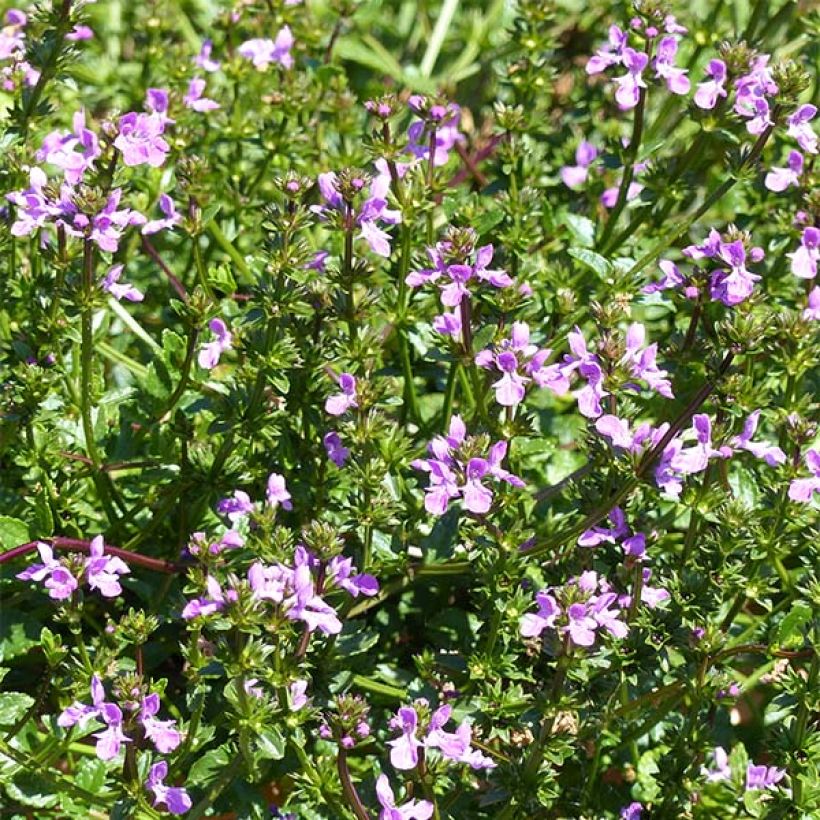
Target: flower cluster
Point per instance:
(60, 577)
(458, 467)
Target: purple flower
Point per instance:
(631, 812)
(336, 451)
(74, 152)
(80, 32)
(59, 581)
(641, 361)
(110, 284)
(574, 176)
(676, 80)
(630, 84)
(721, 770)
(102, 572)
(696, 458)
(342, 573)
(763, 777)
(812, 311)
(514, 354)
(108, 225)
(598, 535)
(404, 751)
(802, 489)
(412, 810)
(298, 698)
(579, 360)
(203, 59)
(140, 139)
(736, 285)
(778, 179)
(533, 624)
(708, 92)
(452, 476)
(215, 601)
(212, 351)
(263, 52)
(445, 120)
(110, 740)
(805, 258)
(277, 492)
(772, 455)
(800, 129)
(236, 507)
(339, 403)
(194, 100)
(609, 55)
(176, 799)
(172, 217)
(162, 733)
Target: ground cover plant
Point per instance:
(409, 409)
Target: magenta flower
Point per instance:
(411, 810)
(140, 139)
(574, 176)
(277, 492)
(676, 80)
(110, 284)
(453, 476)
(336, 451)
(778, 179)
(514, 354)
(800, 129)
(59, 581)
(708, 92)
(263, 52)
(175, 798)
(212, 351)
(802, 489)
(194, 100)
(172, 217)
(102, 571)
(763, 777)
(339, 403)
(772, 455)
(106, 227)
(74, 152)
(805, 258)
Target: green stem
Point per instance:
(449, 393)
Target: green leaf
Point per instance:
(271, 743)
(581, 229)
(13, 532)
(791, 629)
(209, 766)
(13, 706)
(90, 774)
(31, 789)
(594, 261)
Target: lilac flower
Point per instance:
(812, 311)
(212, 351)
(411, 810)
(708, 92)
(172, 217)
(574, 176)
(236, 507)
(721, 770)
(215, 601)
(298, 698)
(140, 139)
(598, 535)
(737, 285)
(696, 458)
(59, 581)
(805, 258)
(203, 59)
(588, 367)
(445, 120)
(110, 284)
(778, 179)
(263, 52)
(763, 777)
(800, 129)
(157, 101)
(631, 812)
(610, 195)
(102, 572)
(108, 225)
(772, 455)
(404, 750)
(74, 152)
(609, 55)
(751, 91)
(162, 733)
(533, 624)
(277, 492)
(453, 476)
(110, 740)
(336, 451)
(511, 387)
(641, 361)
(194, 100)
(176, 799)
(33, 208)
(12, 37)
(676, 80)
(456, 275)
(455, 746)
(339, 403)
(80, 32)
(672, 278)
(342, 573)
(631, 83)
(802, 489)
